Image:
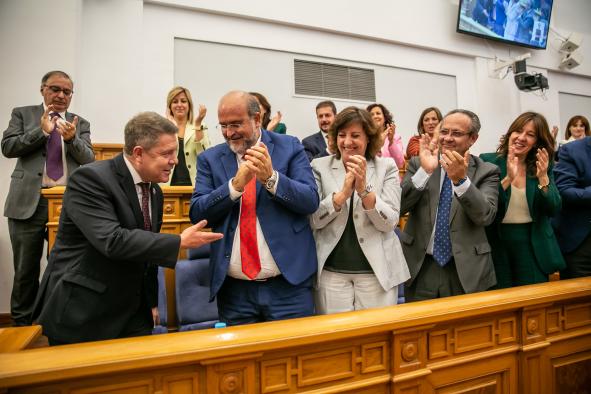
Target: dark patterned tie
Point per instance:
(442, 243)
(146, 205)
(54, 165)
(249, 250)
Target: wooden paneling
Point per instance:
(530, 339)
(104, 151)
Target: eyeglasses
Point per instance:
(57, 90)
(231, 126)
(454, 133)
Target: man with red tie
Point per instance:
(49, 143)
(258, 190)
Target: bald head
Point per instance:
(240, 120)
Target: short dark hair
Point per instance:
(327, 103)
(420, 128)
(266, 106)
(474, 120)
(144, 130)
(544, 138)
(55, 72)
(351, 115)
(574, 120)
(387, 114)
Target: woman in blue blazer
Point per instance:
(524, 247)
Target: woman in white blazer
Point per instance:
(193, 138)
(360, 260)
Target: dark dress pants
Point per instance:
(27, 238)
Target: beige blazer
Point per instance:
(375, 227)
(192, 149)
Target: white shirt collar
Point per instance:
(62, 114)
(134, 174)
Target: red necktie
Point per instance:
(249, 251)
(145, 205)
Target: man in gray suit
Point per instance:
(49, 143)
(450, 198)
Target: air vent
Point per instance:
(334, 81)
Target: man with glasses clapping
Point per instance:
(49, 143)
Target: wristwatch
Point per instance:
(270, 183)
(366, 191)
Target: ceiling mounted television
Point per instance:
(518, 22)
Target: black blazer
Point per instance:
(102, 267)
(315, 146)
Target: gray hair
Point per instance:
(474, 120)
(144, 130)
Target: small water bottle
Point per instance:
(219, 324)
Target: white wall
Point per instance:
(121, 56)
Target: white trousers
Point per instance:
(339, 292)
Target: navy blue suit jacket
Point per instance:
(572, 174)
(283, 217)
(315, 145)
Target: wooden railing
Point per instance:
(530, 339)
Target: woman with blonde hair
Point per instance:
(193, 138)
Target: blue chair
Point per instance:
(194, 311)
(162, 309)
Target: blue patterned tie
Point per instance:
(442, 242)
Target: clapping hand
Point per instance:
(542, 161)
(455, 165)
(429, 151)
(274, 121)
(259, 162)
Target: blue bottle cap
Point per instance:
(219, 324)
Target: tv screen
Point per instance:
(519, 22)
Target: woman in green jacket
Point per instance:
(524, 247)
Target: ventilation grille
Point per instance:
(334, 81)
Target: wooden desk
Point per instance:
(177, 200)
(529, 339)
(13, 339)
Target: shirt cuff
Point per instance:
(463, 188)
(420, 178)
(234, 194)
(273, 190)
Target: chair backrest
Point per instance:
(162, 307)
(194, 311)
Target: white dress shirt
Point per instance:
(137, 179)
(269, 268)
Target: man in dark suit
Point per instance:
(316, 144)
(258, 190)
(450, 199)
(101, 279)
(49, 143)
(573, 224)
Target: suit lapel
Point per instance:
(370, 174)
(229, 162)
(338, 171)
(434, 185)
(126, 182)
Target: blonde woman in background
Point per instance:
(193, 138)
